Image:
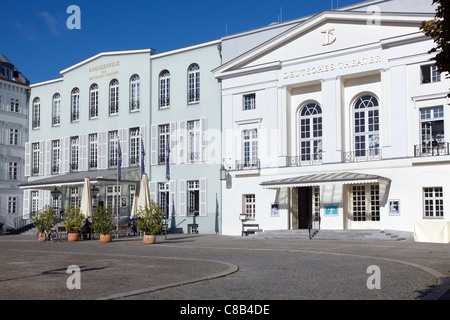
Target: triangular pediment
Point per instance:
(323, 34)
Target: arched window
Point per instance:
(366, 129)
(93, 101)
(310, 133)
(114, 97)
(75, 105)
(56, 109)
(164, 89)
(193, 83)
(135, 84)
(36, 113)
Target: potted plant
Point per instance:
(149, 221)
(73, 220)
(44, 221)
(102, 223)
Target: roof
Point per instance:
(129, 176)
(322, 179)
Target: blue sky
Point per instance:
(36, 39)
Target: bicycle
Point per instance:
(47, 235)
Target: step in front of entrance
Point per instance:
(361, 235)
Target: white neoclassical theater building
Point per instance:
(341, 117)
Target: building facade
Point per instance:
(341, 119)
(185, 145)
(14, 92)
(77, 125)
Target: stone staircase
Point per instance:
(346, 235)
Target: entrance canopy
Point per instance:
(101, 177)
(330, 184)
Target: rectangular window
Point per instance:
(14, 137)
(12, 205)
(163, 197)
(430, 73)
(250, 149)
(249, 101)
(75, 105)
(36, 121)
(249, 206)
(433, 201)
(164, 138)
(34, 203)
(36, 154)
(114, 97)
(113, 146)
(135, 146)
(56, 118)
(164, 87)
(74, 153)
(56, 156)
(93, 151)
(366, 203)
(13, 172)
(93, 108)
(135, 87)
(112, 196)
(432, 132)
(193, 188)
(14, 105)
(75, 200)
(193, 131)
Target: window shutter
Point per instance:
(46, 197)
(203, 212)
(204, 137)
(48, 157)
(102, 150)
(41, 200)
(27, 160)
(124, 142)
(83, 155)
(60, 162)
(41, 158)
(182, 197)
(153, 194)
(66, 155)
(173, 142)
(182, 142)
(26, 204)
(154, 144)
(172, 191)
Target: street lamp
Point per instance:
(55, 193)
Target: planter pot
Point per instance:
(105, 238)
(150, 239)
(41, 236)
(73, 236)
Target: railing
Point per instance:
(427, 150)
(362, 155)
(314, 226)
(305, 160)
(247, 164)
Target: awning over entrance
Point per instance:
(330, 183)
(101, 177)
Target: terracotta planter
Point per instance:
(149, 239)
(105, 238)
(41, 236)
(73, 236)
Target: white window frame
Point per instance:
(56, 156)
(113, 196)
(249, 101)
(164, 89)
(113, 138)
(163, 139)
(36, 158)
(114, 97)
(365, 202)
(430, 143)
(250, 148)
(75, 105)
(93, 101)
(135, 146)
(193, 198)
(249, 204)
(13, 171)
(36, 120)
(14, 137)
(75, 200)
(14, 105)
(310, 133)
(433, 202)
(194, 141)
(429, 74)
(164, 197)
(74, 153)
(34, 203)
(93, 151)
(56, 109)
(366, 128)
(194, 84)
(12, 205)
(135, 93)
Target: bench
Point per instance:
(246, 232)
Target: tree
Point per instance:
(439, 29)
